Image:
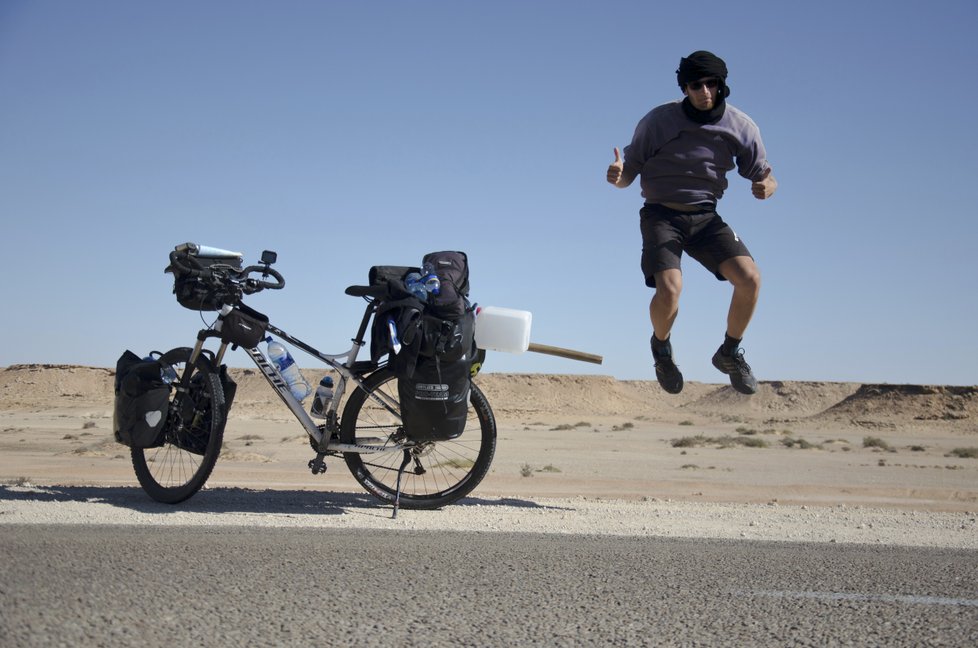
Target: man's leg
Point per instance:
(663, 310)
(664, 306)
(743, 274)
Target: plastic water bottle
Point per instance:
(288, 369)
(167, 373)
(416, 286)
(324, 394)
(432, 283)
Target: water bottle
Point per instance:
(167, 372)
(416, 286)
(324, 394)
(287, 368)
(432, 283)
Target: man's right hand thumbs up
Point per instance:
(615, 168)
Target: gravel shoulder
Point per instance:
(224, 507)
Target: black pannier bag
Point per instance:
(195, 294)
(434, 350)
(398, 307)
(141, 402)
(180, 355)
(434, 395)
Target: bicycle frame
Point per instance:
(345, 364)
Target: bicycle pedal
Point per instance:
(317, 465)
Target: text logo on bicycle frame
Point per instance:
(268, 370)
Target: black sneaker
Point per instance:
(666, 371)
(737, 368)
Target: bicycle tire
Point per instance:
(451, 469)
(192, 436)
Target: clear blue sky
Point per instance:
(348, 134)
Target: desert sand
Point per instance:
(817, 461)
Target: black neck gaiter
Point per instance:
(710, 116)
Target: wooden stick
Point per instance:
(565, 353)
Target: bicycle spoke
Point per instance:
(440, 472)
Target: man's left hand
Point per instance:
(765, 187)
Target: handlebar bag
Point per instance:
(195, 293)
(141, 402)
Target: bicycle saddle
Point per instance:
(375, 291)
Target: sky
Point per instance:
(349, 134)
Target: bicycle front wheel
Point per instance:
(438, 473)
(192, 435)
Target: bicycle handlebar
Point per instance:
(262, 284)
(223, 277)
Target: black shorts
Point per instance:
(667, 233)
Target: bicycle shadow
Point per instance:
(230, 500)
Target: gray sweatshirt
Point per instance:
(681, 161)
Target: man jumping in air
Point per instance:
(683, 150)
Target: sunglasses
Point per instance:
(698, 85)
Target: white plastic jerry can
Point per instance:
(502, 329)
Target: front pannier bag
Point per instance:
(141, 402)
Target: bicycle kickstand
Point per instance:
(397, 493)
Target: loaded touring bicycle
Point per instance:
(411, 426)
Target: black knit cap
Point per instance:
(701, 64)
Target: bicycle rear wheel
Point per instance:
(439, 473)
(192, 435)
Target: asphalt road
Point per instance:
(75, 585)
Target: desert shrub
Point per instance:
(725, 441)
(965, 453)
(563, 427)
(875, 442)
(750, 442)
(799, 443)
(686, 422)
(526, 470)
